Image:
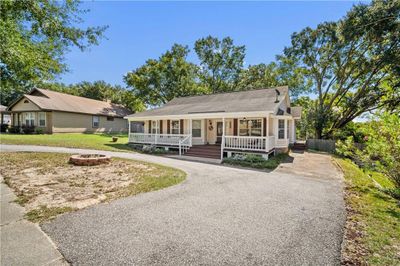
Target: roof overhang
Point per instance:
(201, 116)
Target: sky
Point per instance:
(138, 31)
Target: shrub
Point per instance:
(14, 129)
(4, 127)
(28, 129)
(255, 161)
(39, 131)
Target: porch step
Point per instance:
(205, 151)
(299, 146)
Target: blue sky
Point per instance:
(142, 30)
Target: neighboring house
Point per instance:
(217, 125)
(56, 112)
(4, 115)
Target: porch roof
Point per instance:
(251, 101)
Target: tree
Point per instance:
(99, 90)
(220, 63)
(280, 73)
(350, 63)
(34, 36)
(159, 81)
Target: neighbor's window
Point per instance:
(42, 119)
(175, 126)
(155, 127)
(110, 118)
(137, 127)
(251, 127)
(196, 128)
(29, 119)
(96, 121)
(281, 129)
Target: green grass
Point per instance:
(70, 140)
(255, 161)
(45, 214)
(376, 214)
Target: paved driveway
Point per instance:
(219, 215)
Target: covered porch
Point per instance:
(255, 134)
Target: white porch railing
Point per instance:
(249, 143)
(161, 139)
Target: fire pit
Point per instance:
(89, 159)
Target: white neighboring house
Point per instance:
(258, 121)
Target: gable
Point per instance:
(24, 104)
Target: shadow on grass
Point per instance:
(393, 213)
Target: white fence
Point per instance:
(249, 143)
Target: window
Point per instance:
(175, 126)
(29, 119)
(251, 127)
(196, 128)
(42, 119)
(96, 121)
(137, 127)
(281, 129)
(155, 127)
(110, 118)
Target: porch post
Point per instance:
(223, 138)
(267, 135)
(190, 130)
(286, 131)
(155, 135)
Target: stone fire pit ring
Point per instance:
(89, 159)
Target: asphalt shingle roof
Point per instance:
(232, 102)
(57, 101)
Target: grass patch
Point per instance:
(70, 140)
(47, 185)
(43, 213)
(373, 219)
(256, 161)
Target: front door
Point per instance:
(219, 132)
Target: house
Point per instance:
(55, 112)
(258, 121)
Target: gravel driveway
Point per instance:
(218, 216)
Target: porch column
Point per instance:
(267, 133)
(190, 130)
(293, 131)
(223, 138)
(286, 127)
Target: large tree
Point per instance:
(280, 73)
(160, 80)
(353, 63)
(220, 63)
(34, 37)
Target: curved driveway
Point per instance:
(218, 216)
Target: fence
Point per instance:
(326, 145)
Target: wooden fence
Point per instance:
(326, 145)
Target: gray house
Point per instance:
(258, 121)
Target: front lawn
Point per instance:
(47, 185)
(69, 140)
(373, 223)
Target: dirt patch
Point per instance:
(48, 180)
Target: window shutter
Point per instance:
(264, 126)
(235, 127)
(168, 126)
(161, 129)
(149, 126)
(181, 126)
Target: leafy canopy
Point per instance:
(353, 64)
(34, 36)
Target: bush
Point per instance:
(255, 161)
(3, 127)
(39, 131)
(28, 129)
(14, 129)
